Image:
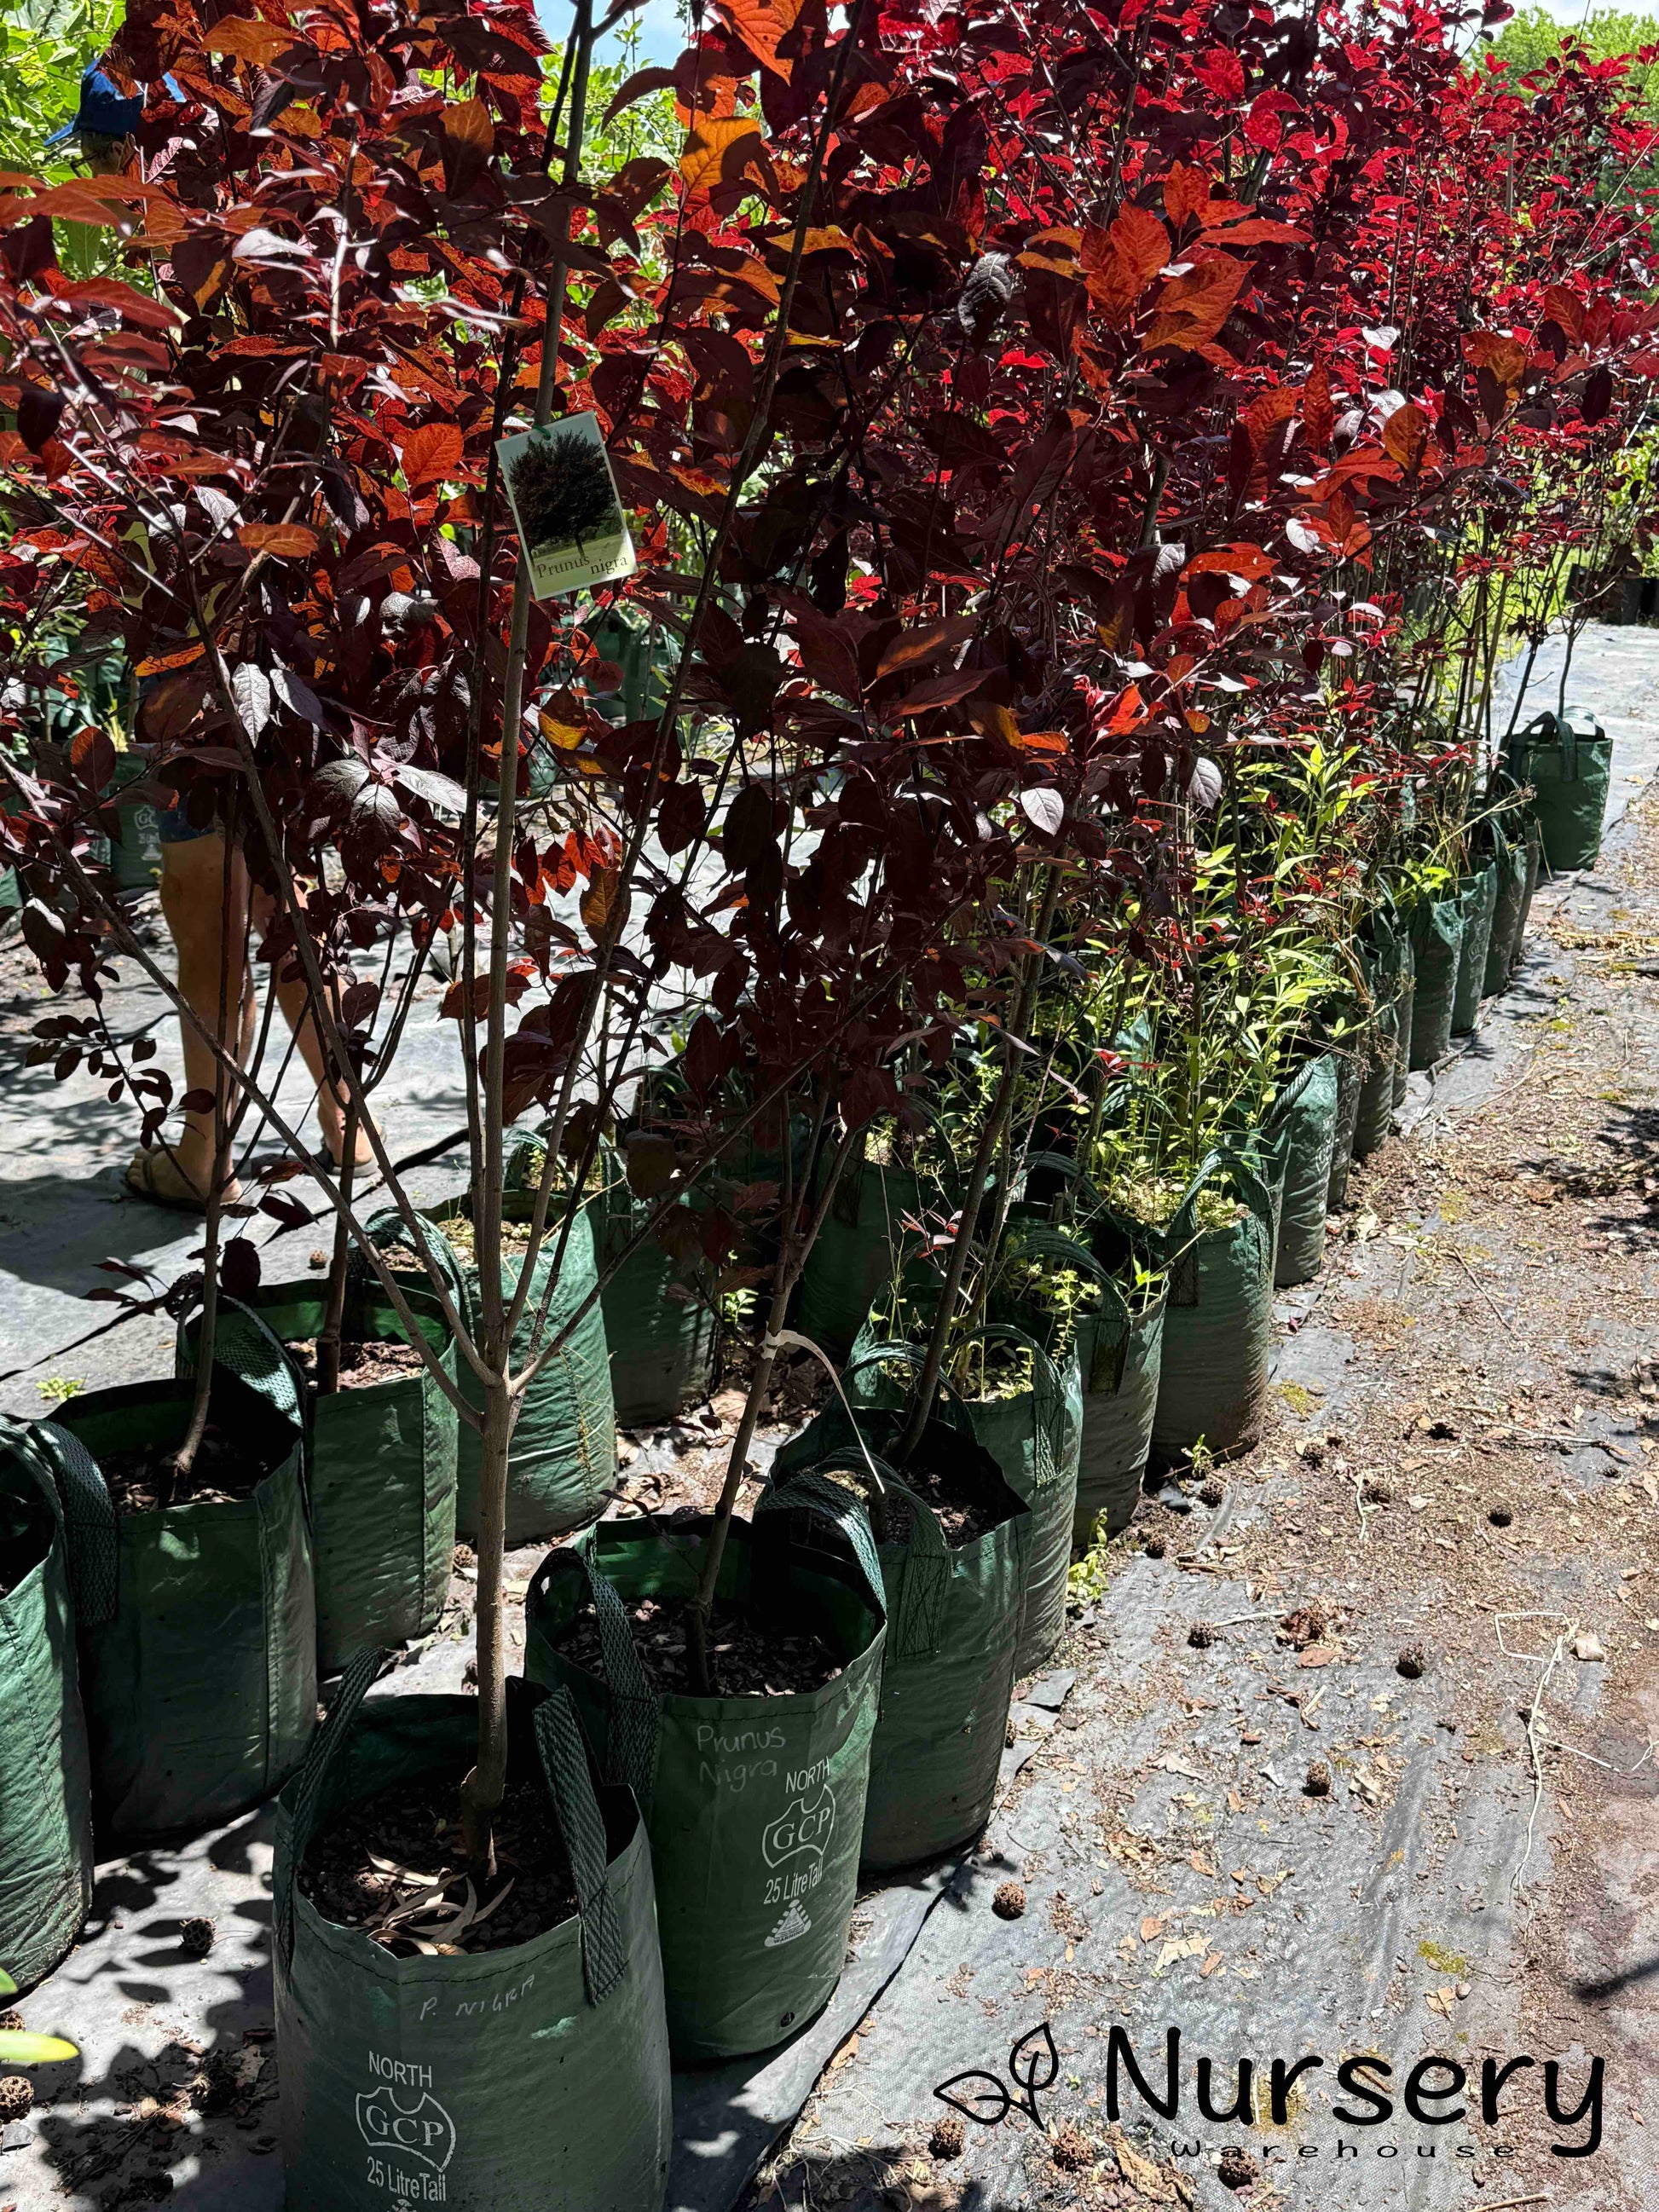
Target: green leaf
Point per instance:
(18, 2048)
(8, 1987)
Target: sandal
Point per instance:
(158, 1177)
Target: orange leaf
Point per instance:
(762, 25)
(431, 452)
(163, 661)
(1120, 262)
(702, 165)
(1318, 414)
(1191, 309)
(1505, 357)
(1404, 435)
(469, 136)
(912, 647)
(1186, 192)
(285, 541)
(249, 41)
(1265, 412)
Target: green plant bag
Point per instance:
(563, 1453)
(1309, 1122)
(382, 1473)
(663, 1349)
(1477, 899)
(754, 1805)
(1034, 1438)
(45, 1800)
(533, 2078)
(1118, 1352)
(1121, 1358)
(953, 1614)
(1351, 1070)
(1407, 1021)
(860, 1248)
(1217, 1325)
(1436, 945)
(1503, 945)
(197, 1625)
(1373, 1117)
(1568, 762)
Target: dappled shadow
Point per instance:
(148, 2113)
(55, 1229)
(1623, 1165)
(1644, 1970)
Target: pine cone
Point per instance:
(16, 2097)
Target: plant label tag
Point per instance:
(563, 496)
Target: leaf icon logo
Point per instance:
(1033, 2066)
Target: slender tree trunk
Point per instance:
(328, 1343)
(481, 1793)
(1002, 1107)
(207, 1329)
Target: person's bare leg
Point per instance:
(294, 999)
(212, 976)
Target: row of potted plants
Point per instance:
(1061, 790)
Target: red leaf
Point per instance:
(431, 452)
(1191, 309)
(1223, 72)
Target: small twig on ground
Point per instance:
(1502, 1317)
(1549, 1664)
(1590, 1759)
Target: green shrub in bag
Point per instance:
(563, 1454)
(662, 1348)
(45, 1802)
(953, 1615)
(530, 2078)
(1477, 899)
(382, 1467)
(1033, 1432)
(1118, 1341)
(1503, 944)
(1217, 1325)
(197, 1622)
(754, 1805)
(1568, 761)
(1310, 1125)
(1436, 947)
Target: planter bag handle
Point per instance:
(390, 1230)
(247, 1349)
(80, 1498)
(1544, 726)
(564, 1766)
(920, 1616)
(1114, 1324)
(1048, 1394)
(808, 1492)
(1181, 1237)
(1277, 1113)
(1080, 1188)
(630, 1749)
(911, 1355)
(307, 1786)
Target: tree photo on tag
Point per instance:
(563, 497)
